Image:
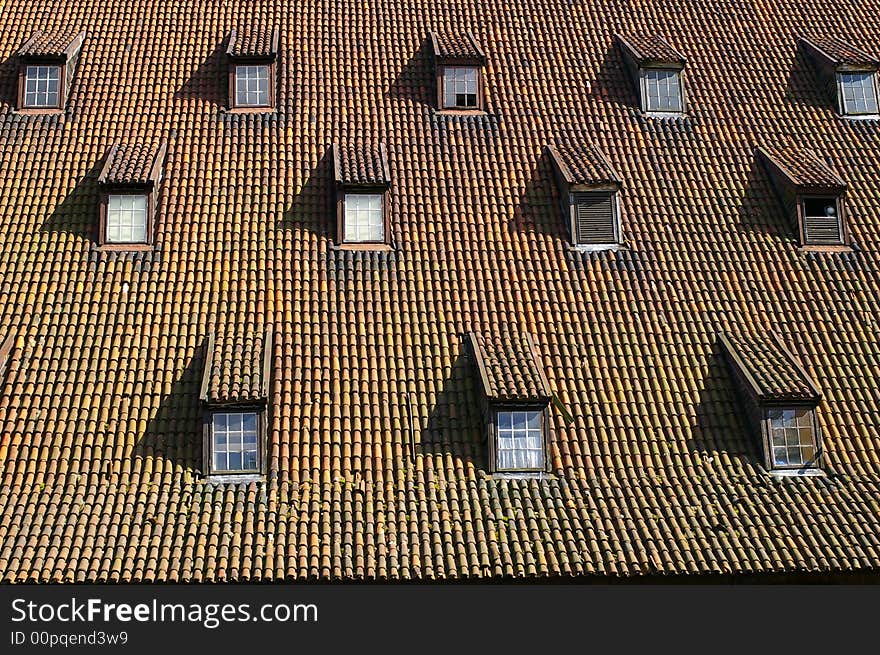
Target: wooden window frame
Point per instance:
(234, 62)
(61, 64)
(208, 438)
(133, 190)
(767, 436)
(841, 103)
(612, 191)
(841, 220)
(492, 434)
(440, 84)
(378, 189)
(643, 89)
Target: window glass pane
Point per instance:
(662, 90)
(252, 86)
(859, 93)
(234, 441)
(363, 218)
(519, 443)
(792, 436)
(460, 87)
(41, 86)
(126, 219)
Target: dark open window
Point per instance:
(822, 224)
(461, 87)
(594, 216)
(459, 66)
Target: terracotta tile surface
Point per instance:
(49, 43)
(511, 370)
(130, 163)
(252, 41)
(361, 164)
(584, 164)
(234, 368)
(376, 457)
(648, 48)
(802, 168)
(456, 44)
(776, 374)
(841, 52)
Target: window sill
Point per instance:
(40, 111)
(825, 249)
(249, 110)
(460, 112)
(599, 247)
(860, 117)
(666, 115)
(125, 247)
(233, 478)
(371, 247)
(521, 475)
(797, 473)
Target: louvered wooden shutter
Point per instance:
(594, 220)
(822, 231)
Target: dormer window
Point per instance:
(812, 192)
(252, 54)
(458, 63)
(780, 400)
(47, 63)
(234, 398)
(129, 185)
(657, 68)
(515, 400)
(847, 72)
(362, 186)
(589, 190)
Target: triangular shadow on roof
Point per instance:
(719, 424)
(209, 82)
(313, 207)
(8, 83)
(454, 424)
(78, 212)
(760, 209)
(538, 209)
(803, 86)
(174, 433)
(613, 82)
(416, 81)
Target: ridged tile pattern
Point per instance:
(648, 47)
(510, 367)
(776, 375)
(843, 53)
(376, 453)
(361, 163)
(252, 41)
(583, 163)
(130, 163)
(49, 43)
(802, 168)
(457, 44)
(236, 368)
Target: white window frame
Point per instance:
(352, 212)
(248, 73)
(776, 432)
(841, 93)
(115, 199)
(451, 74)
(645, 84)
(506, 430)
(42, 75)
(238, 421)
(615, 208)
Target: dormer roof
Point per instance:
(62, 44)
(361, 165)
(584, 165)
(650, 49)
(237, 368)
(253, 41)
(137, 164)
(800, 169)
(462, 46)
(509, 368)
(837, 53)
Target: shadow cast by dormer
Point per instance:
(539, 209)
(614, 83)
(416, 82)
(803, 86)
(173, 435)
(209, 82)
(313, 208)
(78, 212)
(760, 209)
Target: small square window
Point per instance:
(234, 443)
(663, 90)
(41, 86)
(822, 224)
(364, 218)
(126, 219)
(792, 437)
(460, 87)
(252, 86)
(859, 93)
(520, 440)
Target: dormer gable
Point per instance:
(363, 181)
(459, 65)
(848, 74)
(47, 65)
(251, 55)
(657, 69)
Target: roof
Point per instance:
(361, 164)
(59, 42)
(508, 367)
(839, 52)
(456, 45)
(237, 368)
(650, 49)
(802, 169)
(583, 165)
(772, 372)
(253, 41)
(132, 163)
(377, 459)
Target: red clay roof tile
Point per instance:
(235, 368)
(456, 45)
(55, 43)
(508, 367)
(357, 164)
(840, 52)
(253, 41)
(583, 164)
(132, 163)
(802, 168)
(646, 49)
